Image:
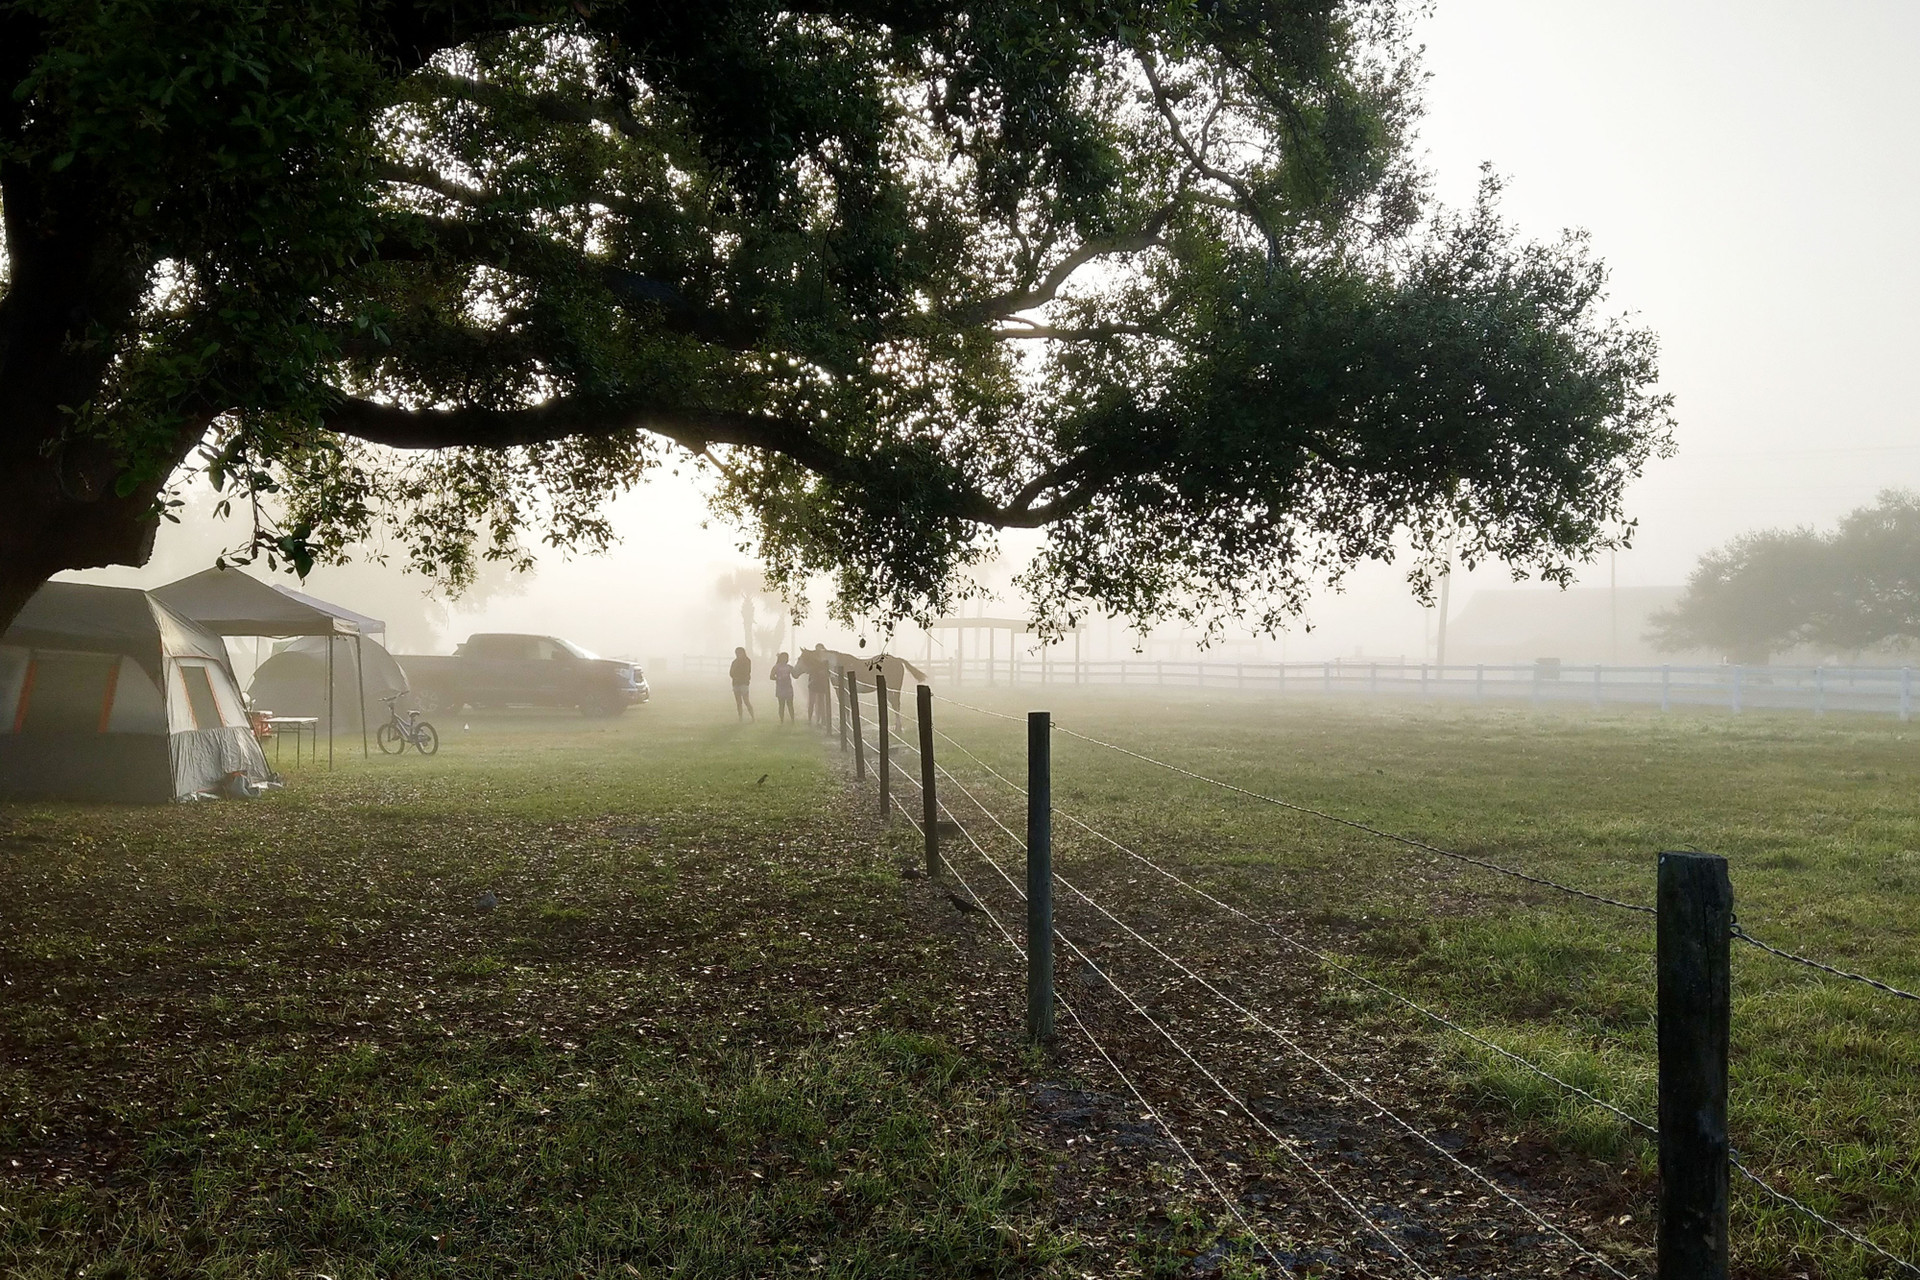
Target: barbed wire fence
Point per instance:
(1728, 1158)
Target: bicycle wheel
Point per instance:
(426, 738)
(390, 739)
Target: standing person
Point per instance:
(741, 673)
(819, 671)
(782, 677)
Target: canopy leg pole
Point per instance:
(329, 704)
(360, 681)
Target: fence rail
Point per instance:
(1815, 690)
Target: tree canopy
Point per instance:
(1161, 280)
(1853, 589)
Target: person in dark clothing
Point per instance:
(817, 665)
(741, 673)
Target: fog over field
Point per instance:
(1746, 171)
(1510, 932)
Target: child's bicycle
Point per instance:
(399, 730)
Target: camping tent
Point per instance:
(293, 682)
(83, 714)
(228, 602)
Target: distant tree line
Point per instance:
(1854, 588)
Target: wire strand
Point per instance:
(1819, 1217)
(1409, 841)
(1752, 941)
(967, 706)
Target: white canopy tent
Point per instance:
(229, 602)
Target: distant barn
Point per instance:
(1578, 625)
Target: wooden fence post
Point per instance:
(1734, 690)
(885, 763)
(1694, 935)
(842, 700)
(1039, 876)
(859, 738)
(929, 805)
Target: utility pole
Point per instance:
(1613, 606)
(1446, 584)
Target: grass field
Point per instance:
(654, 998)
(698, 1033)
(1818, 819)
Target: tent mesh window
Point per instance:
(67, 693)
(206, 710)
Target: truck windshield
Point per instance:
(575, 649)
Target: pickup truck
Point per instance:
(496, 670)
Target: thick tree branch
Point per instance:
(695, 430)
(557, 419)
(511, 248)
(555, 107)
(1030, 330)
(477, 197)
(428, 179)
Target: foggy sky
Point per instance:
(1747, 171)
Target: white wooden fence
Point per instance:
(1882, 690)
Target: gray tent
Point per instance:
(228, 602)
(293, 682)
(106, 694)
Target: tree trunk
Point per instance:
(60, 512)
(73, 290)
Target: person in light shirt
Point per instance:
(782, 677)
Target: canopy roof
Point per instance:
(228, 602)
(362, 623)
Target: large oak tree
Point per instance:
(1159, 279)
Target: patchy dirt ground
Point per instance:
(1315, 1180)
